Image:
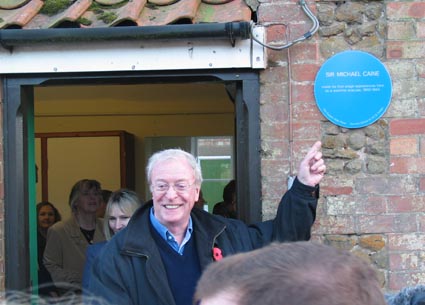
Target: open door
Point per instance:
(20, 261)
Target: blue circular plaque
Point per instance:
(353, 89)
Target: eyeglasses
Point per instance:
(163, 187)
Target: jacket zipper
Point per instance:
(137, 254)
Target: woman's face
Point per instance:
(46, 217)
(89, 201)
(118, 220)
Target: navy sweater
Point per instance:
(183, 271)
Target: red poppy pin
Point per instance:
(217, 255)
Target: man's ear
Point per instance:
(198, 192)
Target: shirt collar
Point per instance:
(165, 233)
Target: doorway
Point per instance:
(242, 86)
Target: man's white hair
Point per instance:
(174, 154)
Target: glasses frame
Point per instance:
(154, 187)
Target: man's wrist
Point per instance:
(310, 191)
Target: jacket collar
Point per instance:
(73, 229)
(206, 229)
(137, 241)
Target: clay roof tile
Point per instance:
(38, 14)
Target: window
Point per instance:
(215, 155)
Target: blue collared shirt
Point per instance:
(168, 237)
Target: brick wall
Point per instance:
(373, 196)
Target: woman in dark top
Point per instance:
(47, 215)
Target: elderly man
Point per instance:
(159, 257)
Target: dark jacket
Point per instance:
(411, 295)
(91, 253)
(45, 282)
(129, 270)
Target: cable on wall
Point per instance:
(305, 36)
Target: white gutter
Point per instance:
(133, 55)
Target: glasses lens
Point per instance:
(179, 187)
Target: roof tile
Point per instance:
(66, 18)
(12, 4)
(20, 16)
(109, 2)
(236, 10)
(177, 12)
(38, 14)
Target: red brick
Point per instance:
(277, 33)
(270, 93)
(406, 49)
(276, 12)
(306, 111)
(304, 72)
(404, 242)
(274, 184)
(341, 224)
(420, 67)
(422, 184)
(274, 75)
(303, 93)
(274, 112)
(407, 126)
(394, 50)
(406, 260)
(274, 131)
(407, 165)
(337, 181)
(306, 130)
(393, 9)
(388, 185)
(417, 10)
(301, 146)
(278, 148)
(304, 52)
(299, 28)
(401, 30)
(421, 222)
(420, 29)
(371, 205)
(329, 190)
(386, 223)
(403, 10)
(404, 146)
(276, 58)
(402, 204)
(339, 205)
(400, 280)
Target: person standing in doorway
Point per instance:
(47, 215)
(120, 207)
(159, 257)
(227, 207)
(105, 197)
(67, 241)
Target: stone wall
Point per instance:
(373, 196)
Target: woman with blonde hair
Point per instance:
(119, 209)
